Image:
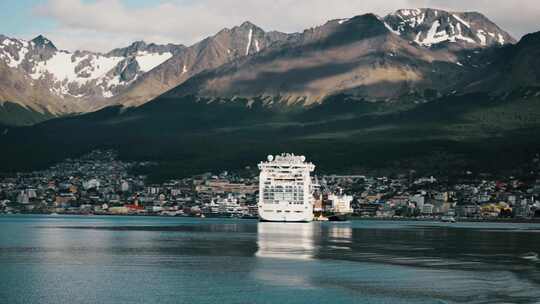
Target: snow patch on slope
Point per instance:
(14, 60)
(14, 63)
(461, 20)
(148, 61)
(391, 29)
(62, 66)
(250, 37)
(482, 36)
(459, 35)
(433, 36)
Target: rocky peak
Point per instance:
(242, 40)
(343, 31)
(43, 43)
(141, 46)
(430, 27)
(138, 45)
(245, 28)
(247, 25)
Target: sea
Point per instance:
(107, 259)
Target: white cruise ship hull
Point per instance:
(289, 218)
(283, 213)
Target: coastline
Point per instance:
(349, 218)
(458, 220)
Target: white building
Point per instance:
(230, 205)
(285, 189)
(341, 204)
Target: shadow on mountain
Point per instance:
(293, 79)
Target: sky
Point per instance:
(101, 25)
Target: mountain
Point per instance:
(432, 27)
(43, 79)
(357, 94)
(363, 56)
(444, 134)
(226, 46)
(511, 68)
(40, 77)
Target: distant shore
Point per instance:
(463, 220)
(350, 218)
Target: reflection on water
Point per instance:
(286, 241)
(300, 240)
(341, 233)
(100, 259)
(282, 246)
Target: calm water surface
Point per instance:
(68, 259)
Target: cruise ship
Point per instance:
(285, 189)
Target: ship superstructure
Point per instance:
(285, 189)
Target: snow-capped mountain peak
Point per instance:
(35, 73)
(430, 27)
(81, 74)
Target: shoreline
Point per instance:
(350, 218)
(458, 220)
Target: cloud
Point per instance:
(105, 24)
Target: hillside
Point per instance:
(186, 136)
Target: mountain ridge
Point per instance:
(448, 108)
(44, 79)
(356, 55)
(69, 81)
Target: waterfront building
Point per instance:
(341, 204)
(285, 189)
(230, 205)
